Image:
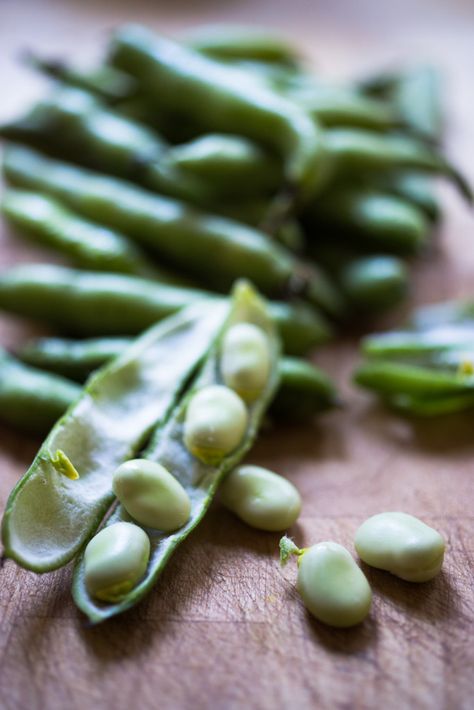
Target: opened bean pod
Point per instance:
(225, 443)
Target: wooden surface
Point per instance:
(224, 628)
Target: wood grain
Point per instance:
(224, 628)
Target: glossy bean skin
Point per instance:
(370, 218)
(401, 544)
(261, 498)
(245, 361)
(151, 495)
(333, 588)
(215, 423)
(89, 246)
(94, 303)
(223, 98)
(115, 561)
(355, 151)
(32, 400)
(174, 231)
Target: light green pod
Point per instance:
(245, 360)
(261, 498)
(115, 560)
(401, 544)
(151, 495)
(215, 423)
(331, 584)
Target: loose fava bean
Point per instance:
(261, 498)
(115, 561)
(151, 495)
(401, 544)
(331, 584)
(245, 360)
(215, 423)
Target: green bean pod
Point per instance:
(305, 390)
(431, 406)
(94, 303)
(393, 378)
(74, 124)
(199, 480)
(32, 400)
(222, 99)
(412, 344)
(233, 165)
(355, 151)
(88, 245)
(104, 81)
(376, 220)
(242, 43)
(338, 107)
(182, 236)
(67, 490)
(374, 283)
(415, 188)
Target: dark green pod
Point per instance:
(392, 378)
(305, 390)
(374, 283)
(355, 151)
(86, 244)
(184, 237)
(223, 99)
(31, 400)
(381, 222)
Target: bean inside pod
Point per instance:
(151, 495)
(115, 560)
(215, 423)
(245, 360)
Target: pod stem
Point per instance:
(288, 548)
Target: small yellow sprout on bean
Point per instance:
(115, 560)
(333, 588)
(151, 495)
(261, 498)
(401, 544)
(215, 423)
(245, 360)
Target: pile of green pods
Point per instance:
(426, 370)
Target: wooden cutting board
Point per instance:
(224, 627)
